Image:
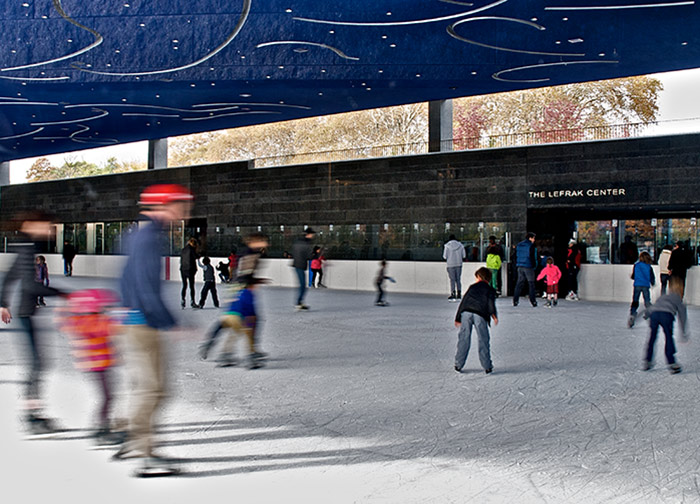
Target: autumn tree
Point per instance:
(360, 131)
(558, 108)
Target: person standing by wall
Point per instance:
(188, 270)
(525, 262)
(317, 260)
(42, 276)
(664, 272)
(494, 260)
(552, 274)
(454, 254)
(147, 316)
(679, 262)
(628, 251)
(68, 256)
(301, 253)
(573, 266)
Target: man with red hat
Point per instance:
(161, 204)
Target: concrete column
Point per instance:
(440, 126)
(5, 173)
(158, 153)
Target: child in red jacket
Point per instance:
(552, 275)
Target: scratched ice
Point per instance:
(361, 404)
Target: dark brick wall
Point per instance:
(487, 185)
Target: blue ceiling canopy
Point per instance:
(77, 74)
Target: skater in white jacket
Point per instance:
(454, 254)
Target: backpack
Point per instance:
(493, 261)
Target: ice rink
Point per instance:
(362, 404)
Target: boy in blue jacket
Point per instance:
(241, 317)
(644, 279)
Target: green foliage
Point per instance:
(72, 167)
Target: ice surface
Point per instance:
(361, 404)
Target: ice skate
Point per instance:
(226, 360)
(125, 453)
(39, 427)
(548, 304)
(630, 321)
(675, 368)
(106, 438)
(203, 350)
(451, 297)
(255, 362)
(647, 365)
(260, 355)
(154, 467)
(301, 307)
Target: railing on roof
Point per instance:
(630, 130)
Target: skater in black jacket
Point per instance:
(477, 308)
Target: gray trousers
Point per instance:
(464, 338)
(455, 274)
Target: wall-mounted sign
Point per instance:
(592, 192)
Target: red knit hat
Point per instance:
(162, 194)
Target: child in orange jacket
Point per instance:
(552, 275)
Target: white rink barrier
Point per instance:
(597, 282)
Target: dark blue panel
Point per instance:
(76, 74)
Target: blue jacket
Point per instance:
(243, 304)
(525, 254)
(643, 275)
(140, 283)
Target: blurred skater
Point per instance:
(241, 318)
(477, 309)
(91, 329)
(379, 281)
(209, 284)
(42, 276)
(247, 263)
(34, 227)
(552, 274)
(643, 276)
(663, 313)
(147, 316)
